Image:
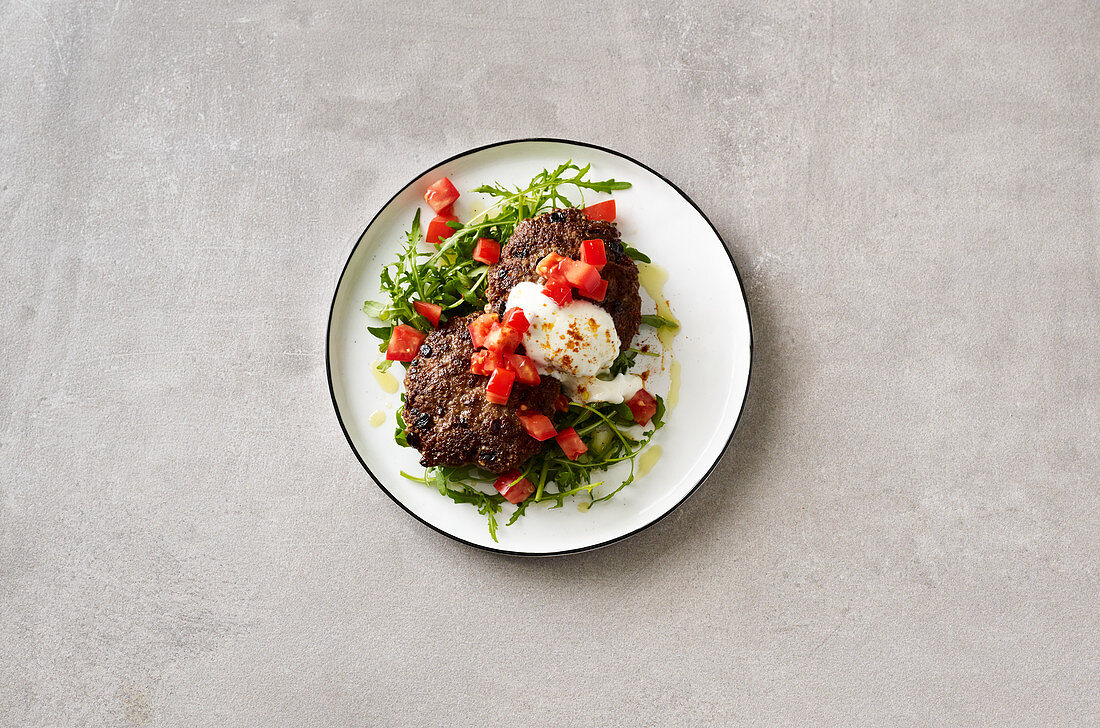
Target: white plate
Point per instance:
(714, 347)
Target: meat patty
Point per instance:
(449, 420)
(562, 231)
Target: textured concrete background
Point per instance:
(904, 531)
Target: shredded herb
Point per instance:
(447, 275)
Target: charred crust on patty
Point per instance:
(562, 232)
(449, 420)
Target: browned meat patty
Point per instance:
(449, 420)
(562, 231)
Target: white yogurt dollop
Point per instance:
(578, 338)
(574, 343)
(590, 389)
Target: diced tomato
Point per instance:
(439, 230)
(480, 328)
(517, 319)
(571, 443)
(643, 406)
(548, 266)
(441, 194)
(430, 311)
(561, 404)
(500, 385)
(538, 426)
(581, 275)
(601, 211)
(525, 370)
(559, 291)
(598, 293)
(594, 253)
(514, 488)
(487, 251)
(503, 339)
(485, 362)
(405, 341)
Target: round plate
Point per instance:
(714, 348)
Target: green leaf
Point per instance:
(382, 332)
(623, 362)
(659, 416)
(520, 510)
(659, 322)
(636, 254)
(399, 434)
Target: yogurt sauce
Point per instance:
(590, 389)
(574, 343)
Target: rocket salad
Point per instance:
(442, 273)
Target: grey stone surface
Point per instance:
(903, 532)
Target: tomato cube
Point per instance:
(441, 194)
(538, 426)
(500, 385)
(525, 370)
(601, 211)
(485, 362)
(548, 266)
(487, 251)
(571, 443)
(480, 328)
(643, 406)
(503, 339)
(594, 253)
(517, 319)
(514, 487)
(559, 291)
(404, 342)
(430, 311)
(581, 275)
(439, 230)
(561, 404)
(598, 293)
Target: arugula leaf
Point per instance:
(659, 416)
(623, 362)
(399, 434)
(636, 254)
(659, 322)
(520, 510)
(446, 274)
